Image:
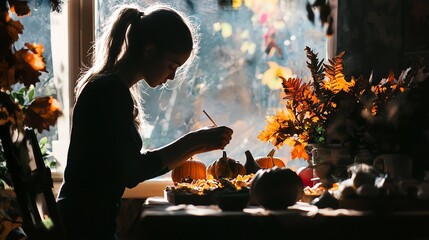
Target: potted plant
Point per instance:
(335, 111)
(20, 68)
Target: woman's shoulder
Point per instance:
(107, 81)
(108, 84)
(105, 88)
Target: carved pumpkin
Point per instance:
(192, 168)
(276, 188)
(226, 167)
(270, 161)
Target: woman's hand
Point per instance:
(211, 138)
(199, 141)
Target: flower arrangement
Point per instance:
(333, 109)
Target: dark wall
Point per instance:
(382, 35)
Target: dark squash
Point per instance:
(276, 188)
(225, 167)
(251, 165)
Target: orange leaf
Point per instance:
(298, 151)
(13, 28)
(42, 113)
(25, 72)
(36, 60)
(19, 7)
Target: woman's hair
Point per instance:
(125, 33)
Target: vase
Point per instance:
(331, 162)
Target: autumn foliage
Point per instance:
(331, 108)
(22, 66)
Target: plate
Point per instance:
(184, 198)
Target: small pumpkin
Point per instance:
(270, 161)
(192, 168)
(225, 167)
(276, 188)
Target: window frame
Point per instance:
(72, 28)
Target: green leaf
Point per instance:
(30, 94)
(42, 144)
(18, 97)
(43, 141)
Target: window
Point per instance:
(242, 48)
(233, 79)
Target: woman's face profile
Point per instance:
(159, 68)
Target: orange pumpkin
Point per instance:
(192, 168)
(270, 161)
(226, 167)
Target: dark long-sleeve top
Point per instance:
(104, 156)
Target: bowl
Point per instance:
(232, 200)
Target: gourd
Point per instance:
(225, 167)
(270, 161)
(276, 188)
(192, 168)
(251, 165)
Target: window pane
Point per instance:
(241, 50)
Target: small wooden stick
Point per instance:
(209, 118)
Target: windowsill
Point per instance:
(56, 176)
(149, 188)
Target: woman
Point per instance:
(104, 155)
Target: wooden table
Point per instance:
(162, 220)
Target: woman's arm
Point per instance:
(116, 138)
(198, 141)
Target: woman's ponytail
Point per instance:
(116, 37)
(110, 45)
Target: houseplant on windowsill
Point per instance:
(331, 109)
(19, 107)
